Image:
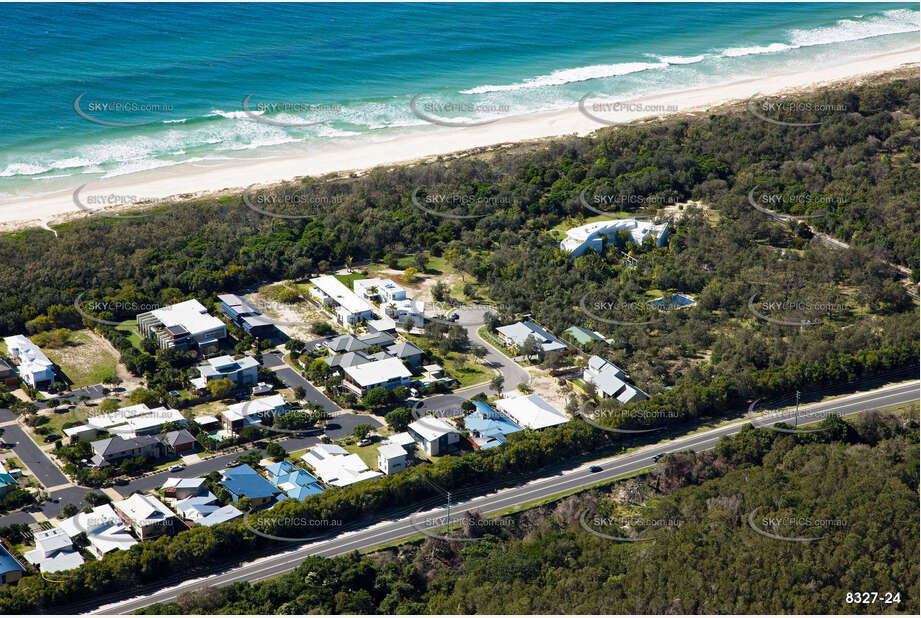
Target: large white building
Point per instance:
(592, 236)
(436, 436)
(54, 551)
(391, 458)
(35, 369)
(531, 411)
(336, 466)
(130, 422)
(103, 528)
(348, 306)
(182, 325)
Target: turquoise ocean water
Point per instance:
(323, 73)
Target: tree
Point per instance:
(421, 260)
(70, 509)
(275, 451)
(96, 499)
(399, 418)
(362, 430)
(322, 328)
(410, 275)
(377, 397)
(220, 388)
(299, 392)
(479, 352)
(529, 347)
(144, 395)
(409, 324)
(497, 383)
(109, 405)
(440, 291)
(251, 458)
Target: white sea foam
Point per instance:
(569, 76)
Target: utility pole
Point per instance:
(796, 412)
(444, 491)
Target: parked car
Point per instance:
(364, 442)
(176, 468)
(121, 482)
(454, 317)
(595, 468)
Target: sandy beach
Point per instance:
(188, 179)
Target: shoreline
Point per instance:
(188, 181)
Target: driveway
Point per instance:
(33, 457)
(293, 379)
(273, 359)
(341, 425)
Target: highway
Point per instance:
(496, 501)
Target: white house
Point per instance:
(182, 325)
(348, 307)
(133, 421)
(336, 466)
(35, 369)
(531, 411)
(514, 336)
(147, 516)
(391, 458)
(609, 381)
(103, 528)
(254, 411)
(388, 372)
(54, 551)
(436, 435)
(385, 290)
(242, 371)
(593, 236)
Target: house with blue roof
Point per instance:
(10, 568)
(221, 515)
(243, 481)
(487, 427)
(294, 482)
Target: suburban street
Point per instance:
(579, 476)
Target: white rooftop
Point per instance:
(577, 236)
(143, 510)
(189, 314)
(254, 407)
(403, 439)
(432, 428)
(377, 372)
(531, 411)
(389, 451)
(336, 466)
(336, 290)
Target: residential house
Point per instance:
(137, 420)
(610, 381)
(181, 489)
(391, 458)
(253, 412)
(336, 466)
(436, 435)
(247, 317)
(388, 373)
(347, 306)
(220, 516)
(104, 530)
(382, 325)
(81, 433)
(112, 450)
(10, 569)
(183, 325)
(404, 439)
(594, 236)
(584, 336)
(242, 371)
(380, 290)
(402, 310)
(381, 340)
(340, 362)
(295, 482)
(180, 441)
(196, 508)
(406, 352)
(35, 369)
(531, 411)
(54, 551)
(345, 343)
(514, 336)
(488, 428)
(145, 515)
(244, 482)
(208, 421)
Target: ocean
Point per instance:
(95, 91)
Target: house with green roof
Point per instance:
(583, 335)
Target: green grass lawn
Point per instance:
(84, 360)
(129, 327)
(348, 280)
(488, 336)
(368, 454)
(465, 367)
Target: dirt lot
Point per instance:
(86, 360)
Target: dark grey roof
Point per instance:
(346, 343)
(404, 349)
(116, 444)
(349, 359)
(381, 339)
(180, 436)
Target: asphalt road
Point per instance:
(389, 531)
(292, 379)
(33, 457)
